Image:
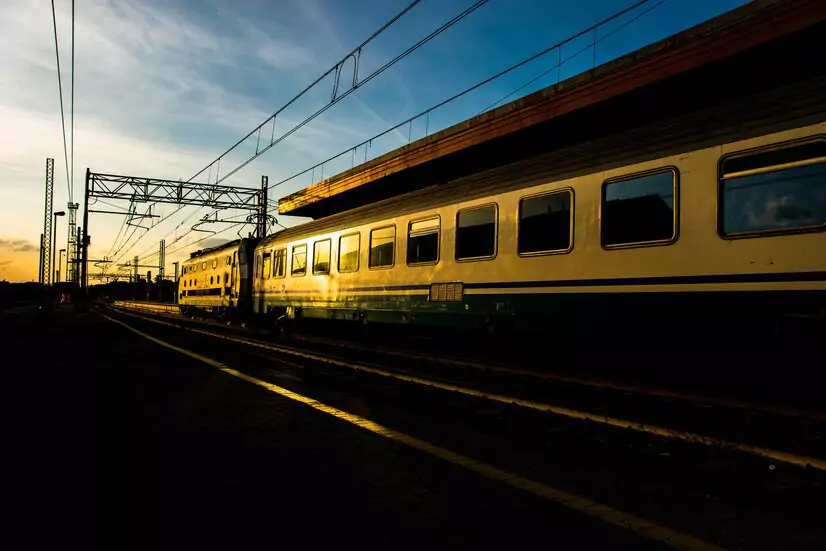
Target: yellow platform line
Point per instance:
(776, 455)
(639, 525)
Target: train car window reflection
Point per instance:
(299, 267)
(266, 271)
(776, 191)
(545, 223)
(423, 242)
(382, 247)
(321, 257)
(279, 263)
(640, 210)
(348, 253)
(476, 233)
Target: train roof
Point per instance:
(773, 110)
(725, 57)
(201, 252)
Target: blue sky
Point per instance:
(162, 88)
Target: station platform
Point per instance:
(124, 443)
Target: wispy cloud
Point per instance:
(163, 88)
(158, 94)
(17, 245)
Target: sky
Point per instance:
(162, 88)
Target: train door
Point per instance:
(235, 279)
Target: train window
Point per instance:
(773, 191)
(423, 242)
(382, 247)
(279, 262)
(211, 278)
(321, 257)
(194, 268)
(476, 233)
(299, 267)
(226, 279)
(640, 209)
(546, 223)
(229, 260)
(203, 265)
(242, 256)
(266, 270)
(215, 263)
(348, 252)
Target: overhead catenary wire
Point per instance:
(156, 252)
(367, 79)
(298, 96)
(356, 50)
(484, 82)
(72, 111)
(60, 91)
(340, 97)
(580, 51)
(500, 74)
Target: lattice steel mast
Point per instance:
(71, 252)
(46, 249)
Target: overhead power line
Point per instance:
(583, 49)
(72, 110)
(60, 90)
(336, 97)
(496, 76)
(337, 66)
(335, 69)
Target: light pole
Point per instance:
(175, 287)
(60, 263)
(54, 234)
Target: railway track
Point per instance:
(727, 484)
(771, 433)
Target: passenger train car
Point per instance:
(605, 236)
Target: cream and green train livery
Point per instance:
(728, 231)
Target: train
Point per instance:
(641, 231)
